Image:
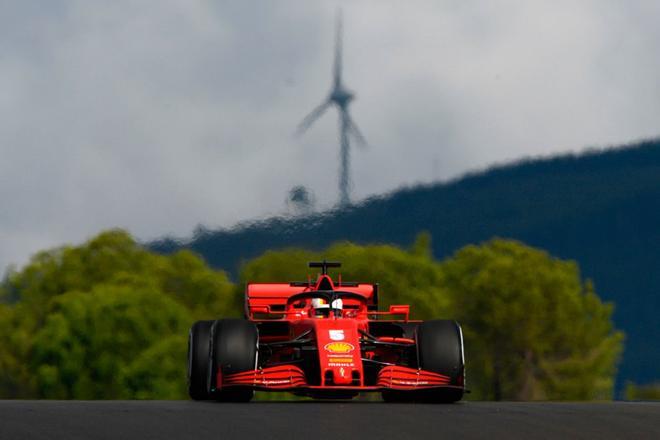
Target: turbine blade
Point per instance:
(338, 50)
(357, 134)
(311, 117)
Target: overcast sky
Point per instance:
(158, 116)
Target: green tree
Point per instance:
(90, 337)
(166, 357)
(114, 257)
(9, 363)
(108, 319)
(83, 321)
(649, 391)
(533, 329)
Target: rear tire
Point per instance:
(234, 350)
(440, 350)
(199, 349)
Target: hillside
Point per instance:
(600, 208)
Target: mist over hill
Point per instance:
(600, 208)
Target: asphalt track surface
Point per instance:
(73, 420)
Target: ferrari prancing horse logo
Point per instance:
(339, 347)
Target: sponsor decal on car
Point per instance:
(276, 381)
(339, 347)
(409, 382)
(340, 358)
(336, 335)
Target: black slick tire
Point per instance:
(440, 350)
(199, 349)
(234, 350)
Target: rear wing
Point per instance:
(274, 296)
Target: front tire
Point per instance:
(234, 350)
(199, 349)
(440, 349)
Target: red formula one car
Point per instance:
(325, 339)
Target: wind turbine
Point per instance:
(340, 97)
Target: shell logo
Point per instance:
(339, 347)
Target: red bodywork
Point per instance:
(357, 349)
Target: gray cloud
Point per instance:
(158, 116)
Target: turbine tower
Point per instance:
(340, 97)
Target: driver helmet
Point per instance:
(321, 307)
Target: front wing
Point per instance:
(292, 378)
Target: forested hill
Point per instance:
(601, 208)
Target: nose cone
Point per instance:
(342, 376)
(338, 342)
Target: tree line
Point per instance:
(109, 319)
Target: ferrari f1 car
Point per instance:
(325, 339)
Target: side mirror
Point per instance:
(400, 310)
(260, 309)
